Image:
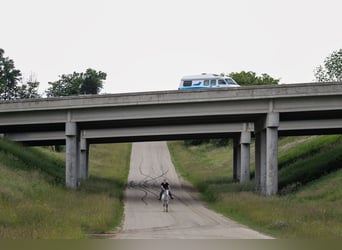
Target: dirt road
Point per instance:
(187, 218)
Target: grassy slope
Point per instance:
(310, 204)
(34, 204)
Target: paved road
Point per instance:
(187, 218)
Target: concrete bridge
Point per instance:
(266, 111)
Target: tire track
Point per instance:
(144, 184)
(187, 218)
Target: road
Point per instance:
(188, 218)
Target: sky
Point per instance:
(148, 45)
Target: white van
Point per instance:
(206, 81)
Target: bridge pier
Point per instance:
(266, 154)
(84, 159)
(236, 155)
(72, 149)
(241, 158)
(245, 142)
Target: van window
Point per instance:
(187, 83)
(213, 82)
(230, 81)
(206, 83)
(221, 82)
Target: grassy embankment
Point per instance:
(310, 181)
(34, 204)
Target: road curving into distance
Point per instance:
(187, 218)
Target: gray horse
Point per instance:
(165, 199)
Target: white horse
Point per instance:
(165, 199)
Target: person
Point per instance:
(164, 186)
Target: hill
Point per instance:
(34, 204)
(309, 204)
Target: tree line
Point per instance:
(13, 86)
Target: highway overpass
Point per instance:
(264, 110)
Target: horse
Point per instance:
(165, 199)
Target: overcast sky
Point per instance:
(148, 45)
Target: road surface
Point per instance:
(187, 218)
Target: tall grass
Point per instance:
(311, 196)
(31, 159)
(33, 205)
(293, 151)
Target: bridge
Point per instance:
(264, 111)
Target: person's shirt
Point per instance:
(165, 185)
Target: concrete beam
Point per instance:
(299, 126)
(310, 124)
(243, 104)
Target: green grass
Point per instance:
(310, 202)
(34, 204)
(31, 159)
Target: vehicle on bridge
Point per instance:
(206, 81)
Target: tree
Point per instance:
(29, 89)
(9, 78)
(90, 82)
(93, 82)
(331, 71)
(11, 85)
(250, 78)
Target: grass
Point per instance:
(310, 202)
(32, 159)
(34, 204)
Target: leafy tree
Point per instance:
(93, 82)
(66, 85)
(29, 89)
(90, 82)
(331, 71)
(9, 78)
(11, 85)
(250, 78)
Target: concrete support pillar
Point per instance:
(236, 159)
(84, 159)
(257, 149)
(241, 159)
(71, 147)
(262, 158)
(266, 154)
(244, 146)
